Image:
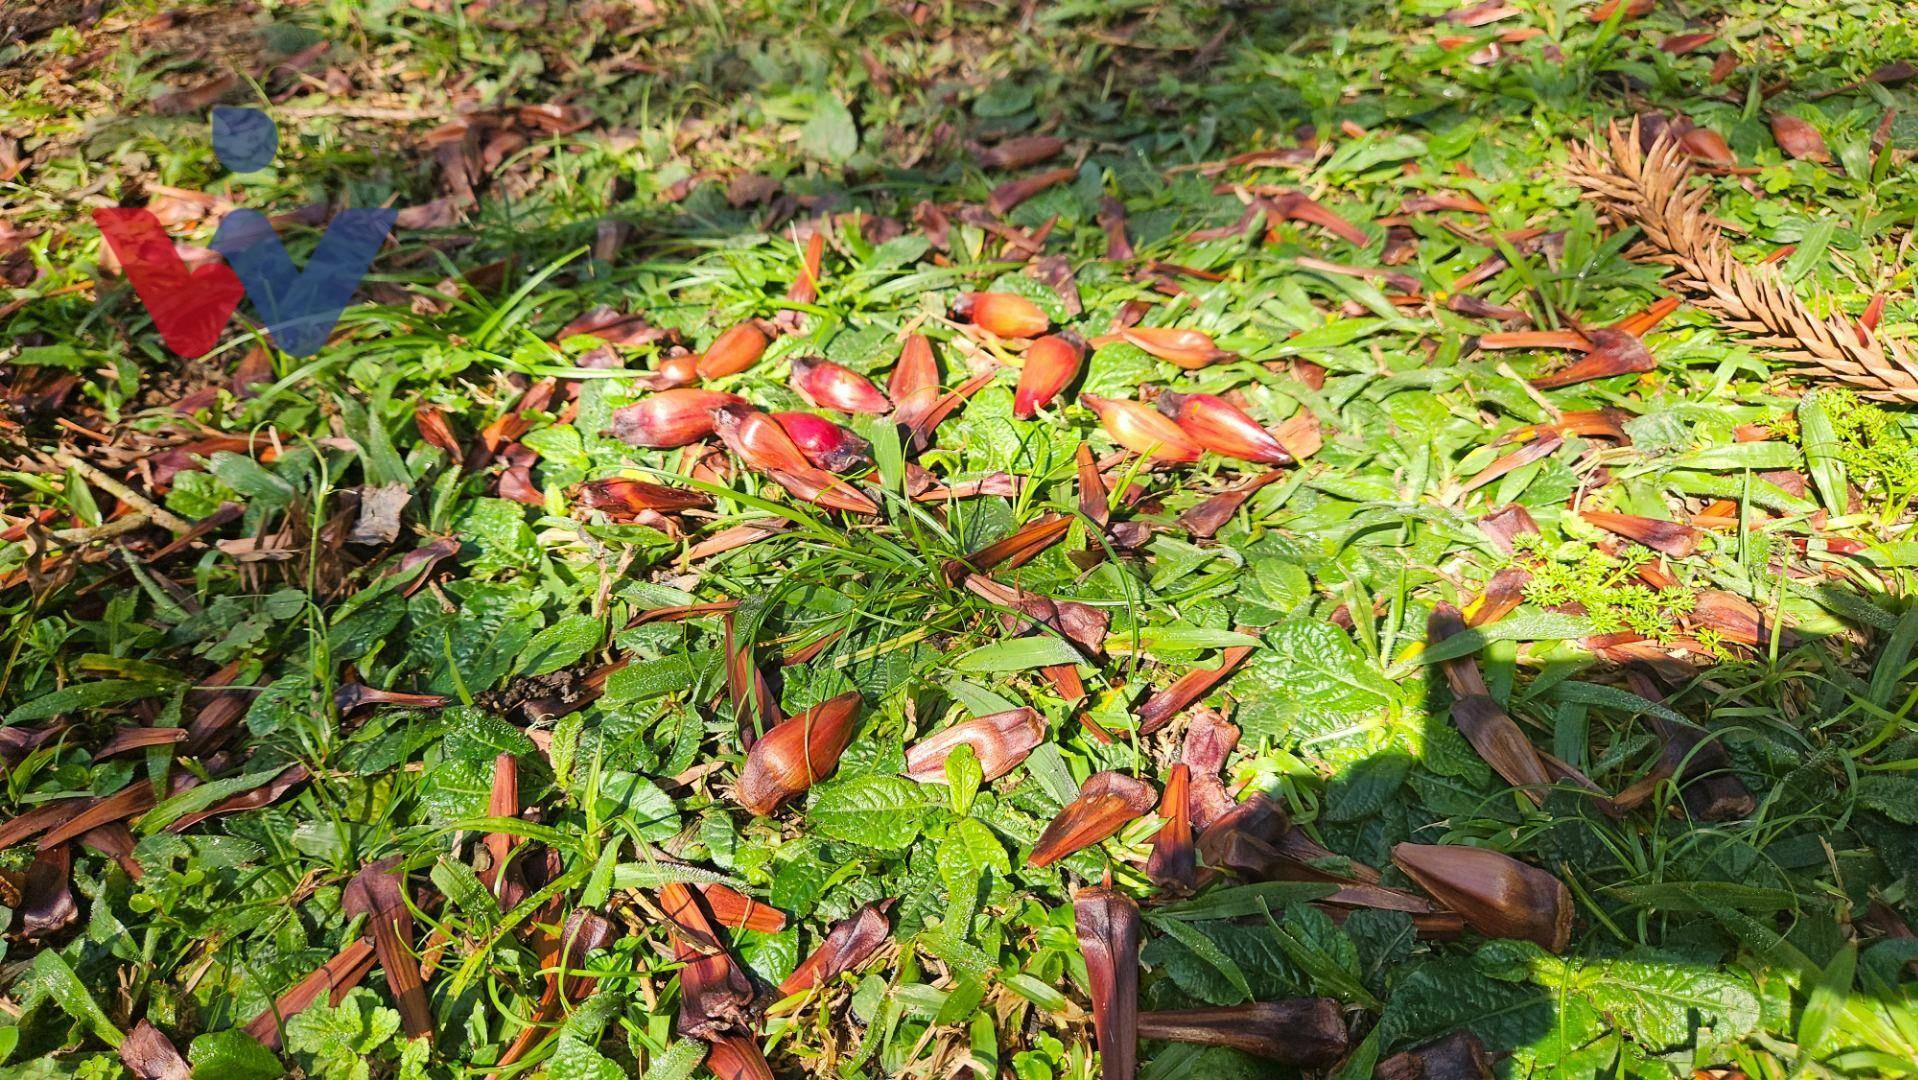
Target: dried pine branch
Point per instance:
(1651, 189)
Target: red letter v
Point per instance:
(189, 308)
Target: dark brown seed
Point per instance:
(796, 753)
(1614, 352)
(1223, 428)
(1108, 924)
(1172, 865)
(733, 351)
(733, 908)
(1258, 818)
(1013, 192)
(850, 943)
(1112, 220)
(1458, 1056)
(1000, 742)
(331, 979)
(1105, 804)
(1502, 526)
(1798, 138)
(1159, 709)
(622, 499)
(1491, 732)
(1498, 895)
(914, 383)
(1016, 550)
(737, 1057)
(1668, 537)
(834, 386)
(716, 996)
(378, 892)
(1206, 519)
(669, 418)
(46, 894)
(149, 1055)
(1018, 152)
(1051, 362)
(1302, 1032)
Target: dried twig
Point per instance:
(153, 512)
(1651, 189)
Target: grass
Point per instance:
(613, 149)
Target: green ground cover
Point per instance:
(382, 606)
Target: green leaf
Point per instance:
(575, 1059)
(1708, 896)
(461, 785)
(831, 133)
(1611, 697)
(1252, 950)
(1358, 155)
(1184, 638)
(1763, 456)
(1820, 440)
(1439, 997)
(963, 777)
(497, 529)
(679, 1062)
(232, 1055)
(560, 644)
(1019, 654)
(1896, 797)
(1242, 900)
(1529, 626)
(1826, 1000)
(1661, 1001)
(342, 1036)
(648, 679)
(284, 702)
(639, 804)
(50, 976)
(969, 852)
(1048, 765)
(1893, 658)
(653, 875)
(80, 696)
(1203, 948)
(875, 811)
(1312, 674)
(201, 796)
(258, 484)
(1315, 944)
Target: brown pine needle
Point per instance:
(1651, 189)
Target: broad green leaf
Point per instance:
(232, 1055)
(1829, 992)
(643, 680)
(1896, 797)
(1203, 948)
(1019, 654)
(560, 644)
(1528, 626)
(1312, 673)
(831, 133)
(82, 696)
(679, 1062)
(49, 976)
(875, 811)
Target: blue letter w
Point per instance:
(300, 308)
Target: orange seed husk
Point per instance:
(796, 753)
